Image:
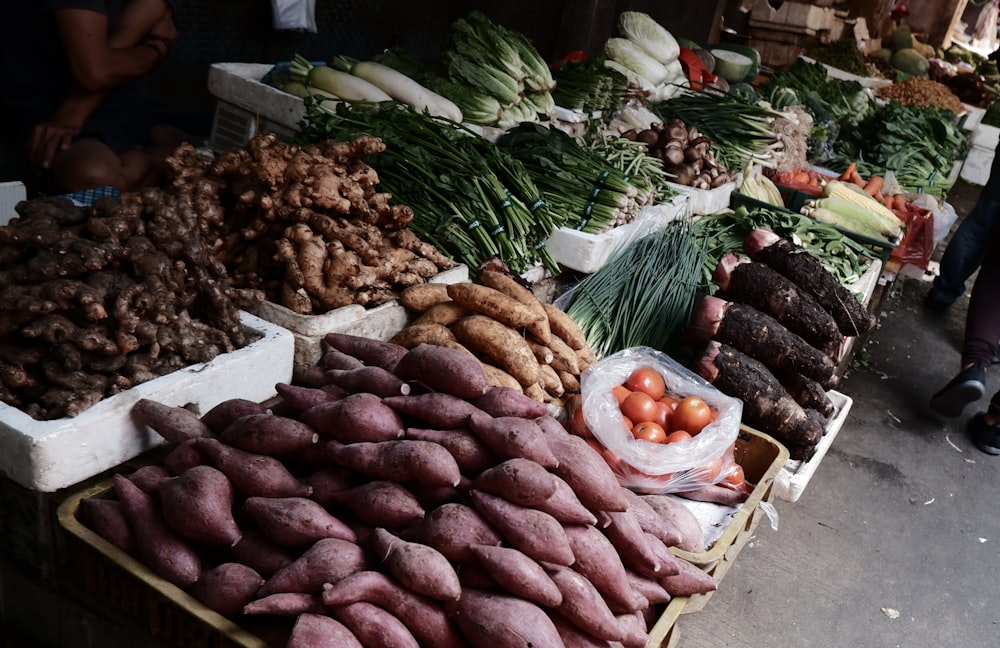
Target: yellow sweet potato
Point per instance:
(493, 303)
(549, 380)
(570, 382)
(420, 297)
(445, 314)
(501, 344)
(565, 327)
(497, 377)
(564, 358)
(542, 353)
(425, 333)
(509, 286)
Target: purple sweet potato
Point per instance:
(198, 504)
(268, 434)
(327, 561)
(689, 580)
(299, 398)
(355, 418)
(565, 506)
(251, 473)
(371, 380)
(295, 521)
(534, 532)
(584, 606)
(327, 481)
(227, 587)
(374, 626)
(518, 574)
(451, 528)
(221, 415)
(598, 560)
(716, 494)
(381, 503)
(521, 481)
(286, 604)
(511, 436)
(184, 456)
(491, 620)
(471, 454)
(149, 478)
(402, 460)
(106, 518)
(586, 471)
(321, 631)
(649, 588)
(682, 518)
(652, 521)
(436, 409)
(632, 543)
(423, 616)
(372, 352)
(507, 401)
(418, 567)
(256, 551)
(443, 369)
(574, 636)
(334, 359)
(173, 423)
(165, 552)
(636, 633)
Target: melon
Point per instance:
(900, 39)
(910, 61)
(732, 66)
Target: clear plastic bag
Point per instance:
(294, 15)
(681, 466)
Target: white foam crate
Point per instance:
(707, 201)
(985, 136)
(11, 193)
(795, 475)
(49, 455)
(240, 84)
(977, 165)
(586, 252)
(379, 322)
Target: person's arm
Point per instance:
(143, 33)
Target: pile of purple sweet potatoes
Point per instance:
(403, 503)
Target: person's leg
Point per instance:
(965, 251)
(87, 164)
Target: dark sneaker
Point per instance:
(935, 304)
(967, 387)
(985, 436)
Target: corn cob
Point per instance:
(850, 216)
(853, 193)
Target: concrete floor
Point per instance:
(894, 540)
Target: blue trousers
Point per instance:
(968, 244)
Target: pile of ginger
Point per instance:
(306, 225)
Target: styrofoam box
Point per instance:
(793, 478)
(49, 455)
(972, 117)
(793, 16)
(586, 252)
(239, 84)
(985, 136)
(11, 193)
(379, 322)
(844, 75)
(977, 165)
(706, 201)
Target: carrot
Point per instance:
(899, 202)
(874, 185)
(851, 169)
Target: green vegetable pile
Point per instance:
(843, 55)
(589, 85)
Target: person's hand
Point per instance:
(47, 139)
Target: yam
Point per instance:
(403, 460)
(295, 521)
(518, 574)
(372, 352)
(327, 561)
(563, 326)
(163, 550)
(253, 474)
(198, 504)
(471, 454)
(374, 626)
(360, 417)
(415, 334)
(491, 620)
(381, 503)
(444, 314)
(437, 409)
(443, 370)
(511, 437)
(424, 617)
(320, 631)
(173, 423)
(508, 401)
(268, 434)
(227, 587)
(534, 532)
(493, 304)
(521, 481)
(420, 297)
(451, 528)
(417, 567)
(371, 380)
(499, 343)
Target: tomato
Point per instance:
(579, 425)
(692, 414)
(670, 401)
(677, 435)
(663, 415)
(639, 406)
(648, 381)
(734, 476)
(649, 431)
(620, 392)
(628, 422)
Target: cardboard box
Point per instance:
(49, 455)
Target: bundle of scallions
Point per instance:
(578, 184)
(469, 197)
(741, 133)
(643, 295)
